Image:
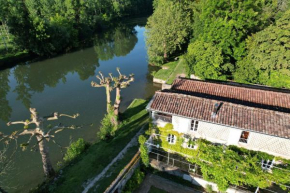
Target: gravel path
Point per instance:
(93, 181)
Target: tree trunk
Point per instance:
(47, 167)
(108, 97)
(165, 52)
(117, 101)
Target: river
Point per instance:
(62, 84)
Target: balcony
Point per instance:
(165, 118)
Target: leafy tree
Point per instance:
(167, 29)
(268, 59)
(206, 60)
(227, 24)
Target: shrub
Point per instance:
(143, 150)
(107, 129)
(134, 182)
(75, 149)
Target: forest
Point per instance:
(48, 27)
(247, 41)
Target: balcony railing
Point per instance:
(164, 118)
(242, 140)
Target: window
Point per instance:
(171, 138)
(244, 137)
(267, 164)
(194, 125)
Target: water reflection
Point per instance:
(32, 78)
(117, 42)
(5, 109)
(63, 84)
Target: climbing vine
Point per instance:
(228, 165)
(143, 150)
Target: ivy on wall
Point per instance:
(228, 165)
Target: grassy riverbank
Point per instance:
(100, 154)
(171, 70)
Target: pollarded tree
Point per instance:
(42, 136)
(107, 83)
(6, 155)
(111, 83)
(167, 29)
(268, 59)
(122, 81)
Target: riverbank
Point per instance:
(99, 155)
(170, 71)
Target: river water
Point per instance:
(62, 84)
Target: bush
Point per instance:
(143, 150)
(134, 182)
(107, 129)
(75, 149)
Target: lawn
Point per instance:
(100, 154)
(163, 74)
(181, 68)
(174, 69)
(153, 189)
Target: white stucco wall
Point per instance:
(212, 132)
(230, 136)
(180, 124)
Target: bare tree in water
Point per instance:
(6, 156)
(111, 83)
(120, 82)
(42, 136)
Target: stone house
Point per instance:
(248, 116)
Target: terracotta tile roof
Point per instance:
(251, 95)
(249, 118)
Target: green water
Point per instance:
(62, 84)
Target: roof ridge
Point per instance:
(265, 111)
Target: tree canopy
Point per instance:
(47, 27)
(167, 29)
(268, 60)
(242, 40)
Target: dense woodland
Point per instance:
(47, 27)
(243, 40)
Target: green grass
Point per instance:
(114, 171)
(100, 154)
(163, 74)
(181, 68)
(174, 69)
(153, 189)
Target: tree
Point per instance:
(120, 82)
(42, 136)
(226, 24)
(111, 83)
(167, 29)
(205, 60)
(268, 59)
(107, 83)
(5, 157)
